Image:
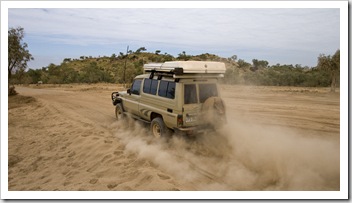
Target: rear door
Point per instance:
(194, 97)
(191, 105)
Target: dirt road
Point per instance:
(275, 139)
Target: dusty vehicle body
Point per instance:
(181, 96)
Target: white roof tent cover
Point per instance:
(182, 68)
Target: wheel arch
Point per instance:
(155, 115)
(117, 101)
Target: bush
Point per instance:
(12, 91)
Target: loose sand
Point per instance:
(277, 138)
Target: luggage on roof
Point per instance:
(186, 67)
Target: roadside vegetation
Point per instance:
(123, 67)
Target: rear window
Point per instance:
(190, 96)
(206, 91)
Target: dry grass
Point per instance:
(19, 101)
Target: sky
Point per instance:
(277, 35)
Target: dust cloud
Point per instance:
(241, 156)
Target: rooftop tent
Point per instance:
(184, 67)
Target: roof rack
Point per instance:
(187, 69)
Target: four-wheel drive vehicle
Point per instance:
(180, 96)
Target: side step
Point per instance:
(136, 117)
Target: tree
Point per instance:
(243, 64)
(18, 55)
(121, 55)
(331, 65)
(140, 50)
(232, 58)
(183, 56)
(258, 64)
(66, 60)
(35, 75)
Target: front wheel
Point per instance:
(158, 128)
(119, 112)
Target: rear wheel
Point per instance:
(119, 112)
(158, 128)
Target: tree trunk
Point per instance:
(9, 74)
(10, 67)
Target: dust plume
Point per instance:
(241, 156)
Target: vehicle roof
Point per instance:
(148, 75)
(168, 77)
(187, 66)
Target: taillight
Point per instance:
(179, 120)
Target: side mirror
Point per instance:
(129, 91)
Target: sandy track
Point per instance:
(66, 141)
(275, 139)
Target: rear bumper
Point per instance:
(195, 129)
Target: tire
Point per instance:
(119, 112)
(158, 128)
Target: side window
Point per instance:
(190, 94)
(150, 86)
(136, 87)
(146, 85)
(167, 89)
(162, 88)
(153, 87)
(171, 90)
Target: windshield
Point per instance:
(205, 91)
